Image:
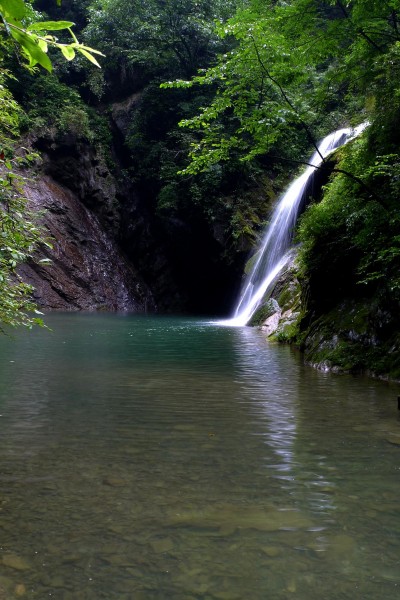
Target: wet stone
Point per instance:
(15, 562)
(271, 551)
(200, 588)
(328, 489)
(135, 572)
(20, 590)
(227, 530)
(57, 582)
(291, 586)
(226, 595)
(6, 583)
(393, 439)
(141, 595)
(160, 546)
(114, 481)
(3, 594)
(119, 560)
(341, 545)
(72, 558)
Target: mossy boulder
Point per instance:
(354, 338)
(279, 315)
(266, 310)
(288, 328)
(287, 290)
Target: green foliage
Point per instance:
(249, 113)
(33, 37)
(287, 334)
(296, 68)
(19, 232)
(231, 199)
(351, 240)
(53, 108)
(156, 36)
(175, 39)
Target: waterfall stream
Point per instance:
(274, 251)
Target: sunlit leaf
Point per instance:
(43, 45)
(13, 8)
(68, 52)
(91, 50)
(88, 56)
(50, 25)
(34, 52)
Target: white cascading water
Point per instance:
(274, 253)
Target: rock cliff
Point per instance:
(87, 269)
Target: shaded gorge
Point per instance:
(154, 458)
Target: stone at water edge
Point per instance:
(15, 562)
(271, 324)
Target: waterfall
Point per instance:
(274, 252)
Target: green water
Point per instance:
(153, 458)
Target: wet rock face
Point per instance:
(88, 270)
(75, 164)
(179, 259)
(72, 164)
(355, 337)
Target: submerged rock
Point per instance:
(248, 517)
(15, 562)
(114, 482)
(394, 439)
(20, 590)
(161, 546)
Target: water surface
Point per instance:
(156, 458)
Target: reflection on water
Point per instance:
(155, 458)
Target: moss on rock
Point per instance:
(352, 338)
(269, 308)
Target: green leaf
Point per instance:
(43, 45)
(68, 52)
(73, 35)
(88, 56)
(88, 49)
(13, 8)
(35, 54)
(50, 25)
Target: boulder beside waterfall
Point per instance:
(357, 336)
(278, 315)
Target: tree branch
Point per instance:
(286, 99)
(359, 30)
(358, 180)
